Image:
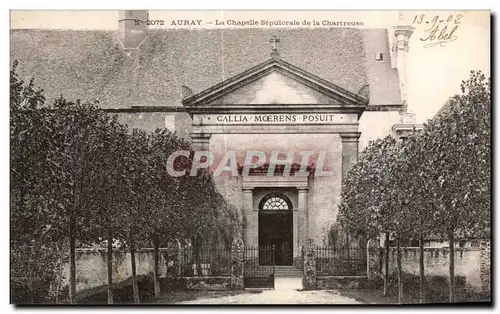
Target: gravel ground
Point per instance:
(287, 291)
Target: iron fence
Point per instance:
(333, 261)
(258, 270)
(208, 261)
(259, 261)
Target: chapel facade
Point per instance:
(313, 97)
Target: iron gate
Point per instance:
(259, 267)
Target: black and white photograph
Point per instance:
(226, 157)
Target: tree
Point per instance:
(137, 182)
(32, 234)
(457, 142)
(397, 217)
(165, 206)
(375, 198)
(48, 170)
(367, 205)
(76, 161)
(415, 200)
(434, 182)
(109, 187)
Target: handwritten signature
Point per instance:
(440, 31)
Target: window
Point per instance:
(379, 56)
(275, 203)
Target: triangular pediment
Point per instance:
(274, 82)
(274, 88)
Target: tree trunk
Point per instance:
(32, 292)
(347, 247)
(72, 261)
(59, 270)
(110, 266)
(57, 290)
(400, 273)
(386, 264)
(156, 258)
(135, 288)
(451, 240)
(422, 272)
(196, 248)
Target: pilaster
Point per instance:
(302, 227)
(249, 222)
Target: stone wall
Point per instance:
(310, 281)
(324, 192)
(309, 271)
(436, 261)
(471, 263)
(237, 266)
(485, 270)
(91, 266)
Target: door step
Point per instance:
(287, 271)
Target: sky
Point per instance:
(433, 73)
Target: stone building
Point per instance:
(328, 91)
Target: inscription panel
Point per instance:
(274, 118)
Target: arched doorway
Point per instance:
(276, 227)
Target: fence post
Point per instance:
(373, 259)
(485, 271)
(179, 258)
(309, 274)
(237, 251)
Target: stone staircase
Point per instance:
(287, 271)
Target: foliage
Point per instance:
(457, 143)
(78, 174)
(366, 192)
(435, 182)
(444, 172)
(33, 231)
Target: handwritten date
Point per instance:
(440, 30)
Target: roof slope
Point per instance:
(90, 64)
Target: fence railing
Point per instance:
(210, 261)
(259, 261)
(333, 261)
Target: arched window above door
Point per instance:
(275, 201)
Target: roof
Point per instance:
(89, 64)
(215, 95)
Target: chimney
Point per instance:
(132, 27)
